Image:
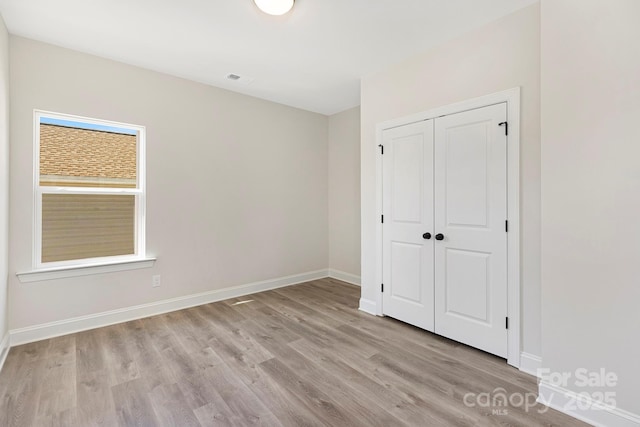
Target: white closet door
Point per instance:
(470, 213)
(408, 215)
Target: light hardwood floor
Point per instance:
(298, 356)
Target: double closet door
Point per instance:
(444, 226)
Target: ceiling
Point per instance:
(311, 58)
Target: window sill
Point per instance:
(84, 270)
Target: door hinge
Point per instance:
(381, 148)
(382, 219)
(506, 322)
(506, 226)
(506, 127)
(381, 287)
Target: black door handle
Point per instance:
(439, 236)
(426, 236)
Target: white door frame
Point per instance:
(512, 98)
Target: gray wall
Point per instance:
(591, 191)
(237, 186)
(344, 192)
(4, 176)
(499, 56)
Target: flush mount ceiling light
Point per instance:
(274, 7)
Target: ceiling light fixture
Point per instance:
(274, 7)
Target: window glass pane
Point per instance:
(74, 154)
(78, 226)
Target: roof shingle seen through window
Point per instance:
(88, 155)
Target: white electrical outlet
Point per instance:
(155, 281)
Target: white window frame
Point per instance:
(139, 192)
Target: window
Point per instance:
(89, 191)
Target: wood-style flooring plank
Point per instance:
(247, 407)
(382, 395)
(302, 355)
(434, 407)
(95, 406)
(312, 326)
(358, 406)
(230, 342)
(171, 407)
(320, 404)
(19, 403)
(66, 418)
(132, 404)
(58, 388)
(216, 414)
(121, 365)
(285, 405)
(148, 359)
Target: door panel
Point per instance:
(470, 210)
(406, 260)
(462, 268)
(408, 214)
(407, 176)
(466, 175)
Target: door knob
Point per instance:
(439, 236)
(426, 236)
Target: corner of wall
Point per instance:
(345, 277)
(530, 363)
(344, 195)
(4, 349)
(368, 306)
(4, 186)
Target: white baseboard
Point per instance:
(368, 306)
(574, 404)
(530, 363)
(345, 277)
(4, 349)
(92, 321)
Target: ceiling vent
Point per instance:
(236, 78)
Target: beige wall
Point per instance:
(344, 192)
(4, 175)
(237, 186)
(590, 190)
(499, 56)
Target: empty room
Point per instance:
(319, 213)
